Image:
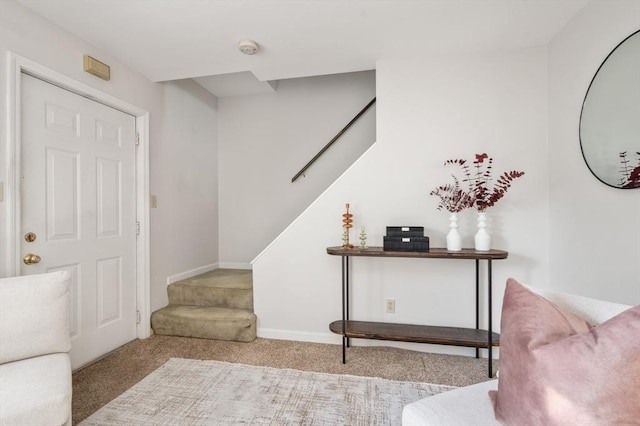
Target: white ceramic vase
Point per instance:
(482, 238)
(454, 239)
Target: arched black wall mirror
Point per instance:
(610, 118)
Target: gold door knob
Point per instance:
(30, 259)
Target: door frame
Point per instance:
(19, 65)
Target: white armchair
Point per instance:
(35, 369)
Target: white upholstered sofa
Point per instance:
(35, 369)
(472, 405)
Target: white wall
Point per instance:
(184, 170)
(564, 230)
(429, 110)
(595, 229)
(266, 139)
(180, 114)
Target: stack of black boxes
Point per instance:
(405, 238)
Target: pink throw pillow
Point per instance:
(555, 369)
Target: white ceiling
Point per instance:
(177, 39)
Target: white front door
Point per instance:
(78, 210)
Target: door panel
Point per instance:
(61, 220)
(78, 197)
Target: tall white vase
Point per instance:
(482, 237)
(454, 239)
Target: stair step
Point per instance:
(224, 288)
(205, 322)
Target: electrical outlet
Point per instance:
(391, 306)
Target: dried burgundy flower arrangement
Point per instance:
(480, 194)
(630, 175)
(452, 197)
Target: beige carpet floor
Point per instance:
(97, 384)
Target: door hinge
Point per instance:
(138, 317)
(137, 138)
(137, 228)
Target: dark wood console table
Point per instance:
(455, 336)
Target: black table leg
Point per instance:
(477, 302)
(489, 297)
(346, 292)
(345, 306)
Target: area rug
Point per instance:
(193, 392)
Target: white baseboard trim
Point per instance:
(234, 265)
(298, 336)
(192, 273)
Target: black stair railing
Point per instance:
(332, 141)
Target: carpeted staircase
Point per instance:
(215, 305)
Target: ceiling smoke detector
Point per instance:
(248, 47)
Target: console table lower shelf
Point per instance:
(455, 336)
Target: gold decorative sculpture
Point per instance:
(346, 225)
